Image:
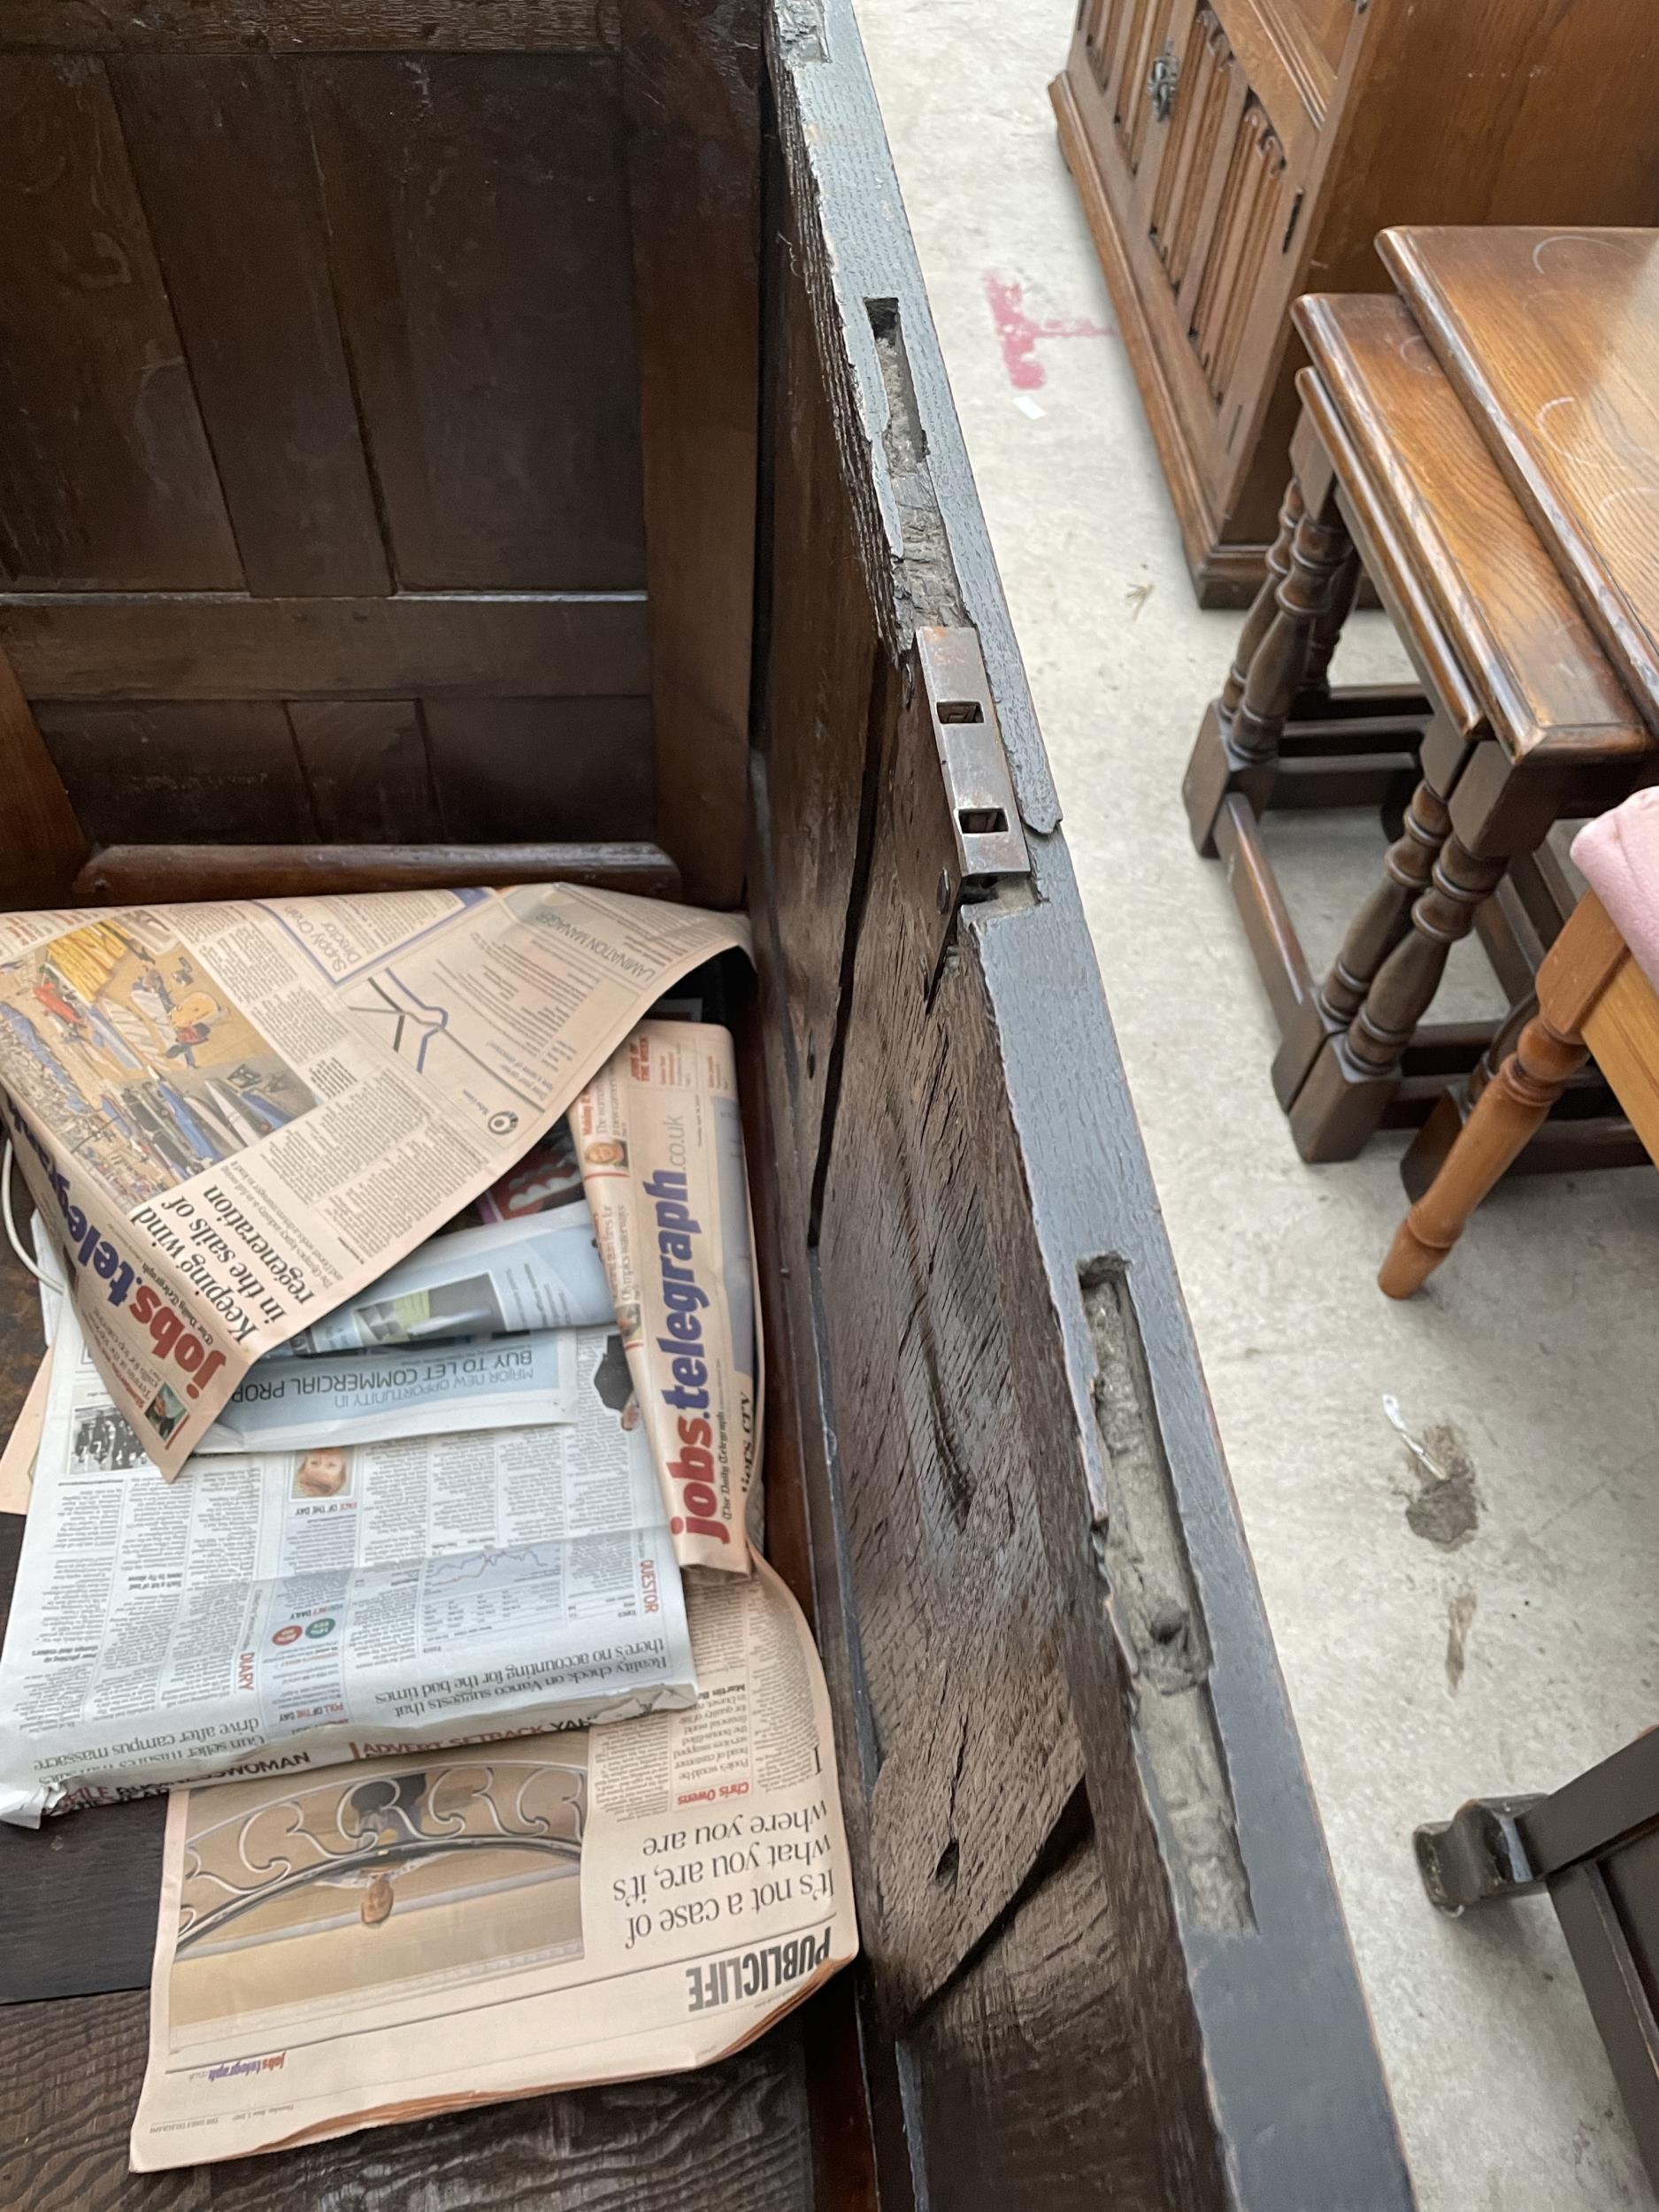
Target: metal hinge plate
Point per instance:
(968, 738)
(965, 837)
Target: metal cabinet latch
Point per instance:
(1166, 75)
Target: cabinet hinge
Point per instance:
(1160, 84)
(962, 837)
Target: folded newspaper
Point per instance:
(238, 1116)
(636, 1900)
(284, 1610)
(292, 1405)
(660, 1138)
(539, 1271)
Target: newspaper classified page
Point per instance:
(431, 1931)
(285, 1611)
(370, 1397)
(660, 1136)
(236, 1116)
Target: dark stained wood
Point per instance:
(185, 26)
(222, 156)
(955, 1134)
(122, 874)
(508, 769)
(961, 1662)
(164, 772)
(824, 672)
(730, 2139)
(1298, 130)
(692, 91)
(1532, 656)
(478, 218)
(1548, 335)
(480, 644)
(106, 479)
(1280, 959)
(1037, 2024)
(367, 769)
(41, 843)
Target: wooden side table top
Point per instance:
(1534, 662)
(1552, 339)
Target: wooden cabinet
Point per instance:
(1231, 154)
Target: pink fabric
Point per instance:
(1619, 855)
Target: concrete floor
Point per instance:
(1431, 1655)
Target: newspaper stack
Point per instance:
(425, 1502)
(443, 1502)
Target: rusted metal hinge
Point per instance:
(965, 848)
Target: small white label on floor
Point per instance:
(1027, 405)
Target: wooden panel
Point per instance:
(1195, 133)
(693, 103)
(1025, 2076)
(223, 159)
(824, 678)
(41, 842)
(479, 222)
(1310, 39)
(987, 1115)
(1623, 1033)
(123, 875)
(541, 768)
(1512, 621)
(106, 474)
(967, 1693)
(1252, 218)
(1549, 338)
(1097, 26)
(1133, 40)
(730, 2139)
(235, 26)
(161, 773)
(229, 648)
(366, 768)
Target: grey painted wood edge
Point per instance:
(1295, 2076)
(840, 171)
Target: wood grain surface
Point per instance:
(691, 88)
(220, 154)
(478, 222)
(106, 474)
(480, 645)
(126, 874)
(41, 843)
(1513, 624)
(729, 2138)
(1552, 338)
(980, 1112)
(236, 26)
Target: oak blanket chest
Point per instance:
(447, 440)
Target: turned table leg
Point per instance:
(1372, 935)
(1238, 745)
(1327, 630)
(1508, 1111)
(1350, 1083)
(1575, 972)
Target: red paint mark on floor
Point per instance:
(1017, 334)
